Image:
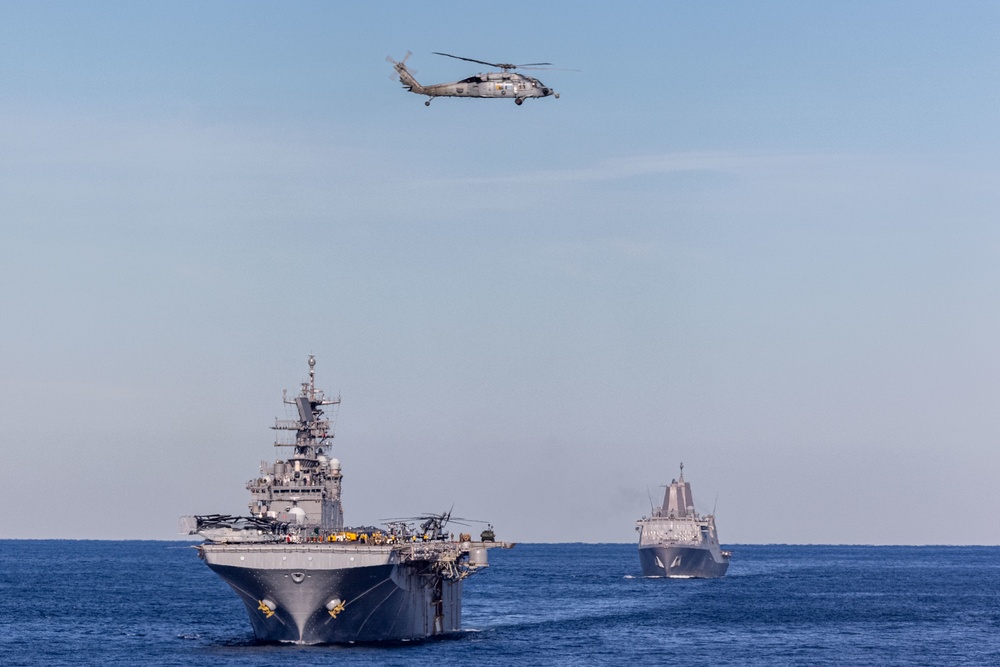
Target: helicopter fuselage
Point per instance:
(491, 84)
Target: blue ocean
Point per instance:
(155, 603)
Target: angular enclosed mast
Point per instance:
(678, 500)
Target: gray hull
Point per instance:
(679, 561)
(381, 603)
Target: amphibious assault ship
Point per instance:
(307, 579)
(676, 542)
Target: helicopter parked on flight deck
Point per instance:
(503, 84)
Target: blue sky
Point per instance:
(758, 238)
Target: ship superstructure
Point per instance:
(675, 541)
(306, 578)
(305, 488)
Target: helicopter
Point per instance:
(432, 526)
(502, 84)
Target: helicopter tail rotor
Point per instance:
(401, 62)
(405, 75)
(396, 64)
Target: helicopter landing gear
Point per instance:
(427, 103)
(519, 101)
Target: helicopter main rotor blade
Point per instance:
(503, 66)
(471, 60)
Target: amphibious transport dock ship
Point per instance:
(307, 579)
(676, 542)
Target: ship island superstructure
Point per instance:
(675, 541)
(305, 488)
(306, 578)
